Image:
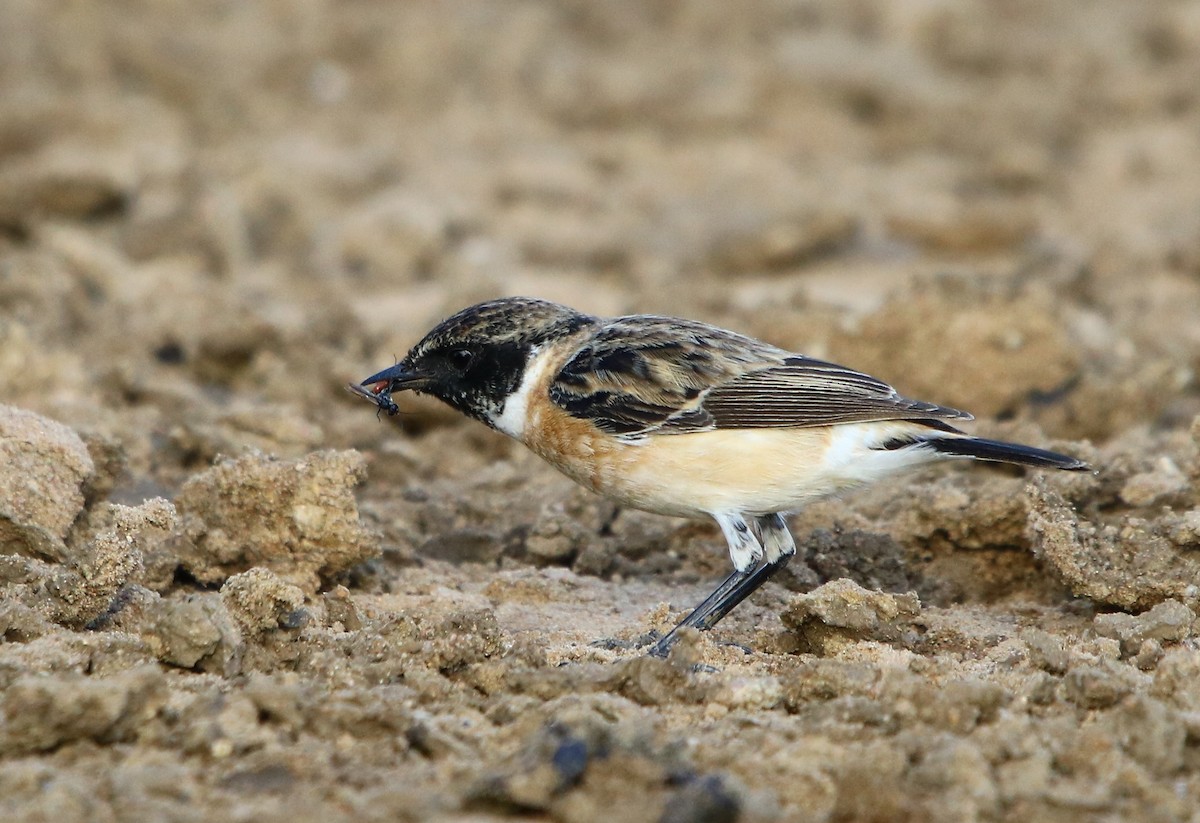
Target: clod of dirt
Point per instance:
(973, 512)
(826, 678)
(1152, 733)
(651, 681)
(1184, 532)
(20, 623)
(748, 693)
(340, 609)
(1046, 651)
(1098, 686)
(581, 768)
(88, 583)
(46, 466)
(552, 763)
(566, 527)
(1131, 565)
(41, 713)
(297, 518)
(842, 612)
(260, 602)
(192, 632)
(108, 562)
(460, 638)
(1169, 620)
(1177, 678)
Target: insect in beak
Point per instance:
(378, 394)
(378, 387)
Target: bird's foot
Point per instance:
(614, 644)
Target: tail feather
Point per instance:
(997, 450)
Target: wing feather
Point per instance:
(804, 392)
(641, 375)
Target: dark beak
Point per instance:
(397, 378)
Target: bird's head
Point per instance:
(474, 360)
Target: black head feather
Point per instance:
(476, 358)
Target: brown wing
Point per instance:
(644, 374)
(806, 392)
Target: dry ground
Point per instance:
(229, 592)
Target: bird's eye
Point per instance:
(461, 358)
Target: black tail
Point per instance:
(1001, 452)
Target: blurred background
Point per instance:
(214, 214)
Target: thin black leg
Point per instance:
(736, 588)
(740, 592)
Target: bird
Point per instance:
(683, 418)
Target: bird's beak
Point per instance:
(397, 378)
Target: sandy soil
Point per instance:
(229, 592)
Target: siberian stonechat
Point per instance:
(682, 418)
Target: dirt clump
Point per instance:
(297, 519)
(48, 465)
(842, 612)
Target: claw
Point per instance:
(614, 644)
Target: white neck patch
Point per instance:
(515, 412)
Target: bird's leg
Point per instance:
(777, 540)
(743, 546)
(699, 617)
(779, 548)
